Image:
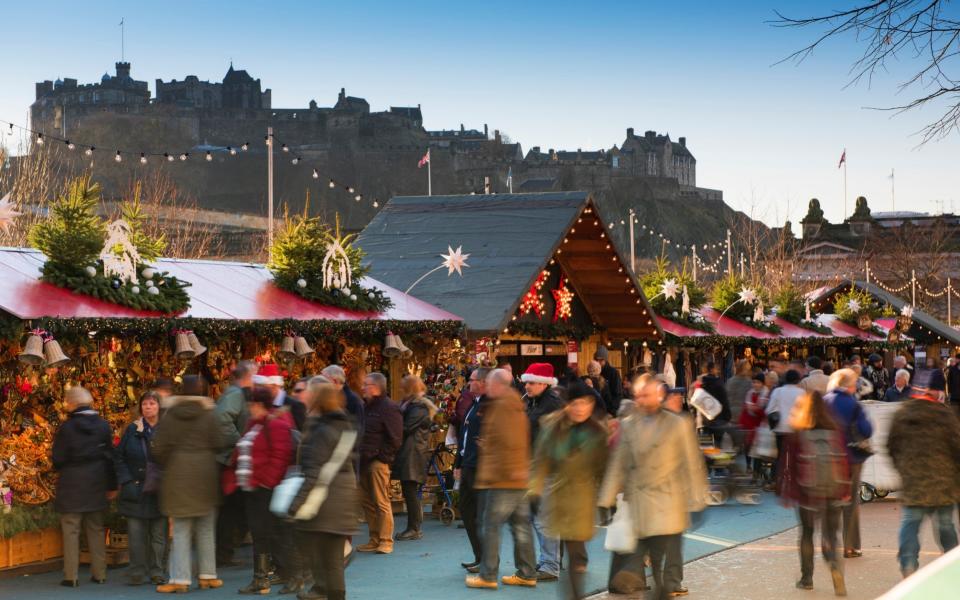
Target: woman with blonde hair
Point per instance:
(322, 538)
(814, 477)
(410, 466)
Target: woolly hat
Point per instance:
(269, 374)
(601, 353)
(539, 373)
(579, 389)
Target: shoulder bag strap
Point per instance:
(318, 494)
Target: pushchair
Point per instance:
(440, 467)
(727, 478)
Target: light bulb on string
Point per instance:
(245, 146)
(184, 156)
(358, 197)
(376, 204)
(39, 139)
(266, 140)
(143, 158)
(168, 156)
(117, 156)
(284, 148)
(209, 156)
(89, 151)
(232, 151)
(296, 160)
(332, 185)
(70, 145)
(350, 190)
(315, 174)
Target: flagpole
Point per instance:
(893, 197)
(844, 184)
(429, 176)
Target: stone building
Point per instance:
(237, 90)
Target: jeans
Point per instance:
(663, 551)
(503, 506)
(96, 541)
(851, 512)
(147, 542)
(271, 535)
(375, 498)
(549, 561)
(471, 509)
(829, 519)
(411, 497)
(231, 525)
(185, 530)
(910, 520)
(324, 554)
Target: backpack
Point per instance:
(822, 471)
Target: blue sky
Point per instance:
(555, 74)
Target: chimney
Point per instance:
(461, 127)
(536, 149)
(343, 93)
(43, 88)
(123, 70)
(553, 154)
(485, 134)
(650, 135)
(629, 132)
(683, 141)
(496, 135)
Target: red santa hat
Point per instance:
(539, 373)
(269, 374)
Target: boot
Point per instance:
(839, 584)
(293, 585)
(261, 582)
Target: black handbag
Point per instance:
(153, 474)
(856, 442)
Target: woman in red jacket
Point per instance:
(261, 458)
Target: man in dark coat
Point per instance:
(924, 443)
(953, 383)
(541, 400)
(382, 436)
(83, 455)
(612, 376)
(231, 413)
(465, 466)
(338, 377)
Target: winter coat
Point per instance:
(382, 431)
(846, 410)
(186, 445)
(568, 467)
(953, 383)
(468, 453)
(538, 406)
(130, 459)
(340, 512)
(895, 395)
(790, 475)
(83, 455)
(504, 445)
(272, 451)
(737, 389)
(354, 408)
(658, 466)
(612, 375)
(464, 403)
(879, 378)
(712, 386)
(815, 381)
(411, 461)
(924, 443)
(752, 416)
(600, 385)
(232, 415)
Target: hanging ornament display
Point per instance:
(336, 263)
(119, 256)
(7, 214)
(564, 301)
(532, 301)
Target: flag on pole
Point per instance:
(425, 160)
(843, 158)
(890, 176)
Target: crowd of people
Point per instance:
(553, 458)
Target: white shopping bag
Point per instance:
(620, 536)
(705, 404)
(764, 443)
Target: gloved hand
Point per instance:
(605, 515)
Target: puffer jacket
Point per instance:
(340, 511)
(186, 444)
(83, 455)
(130, 458)
(272, 451)
(414, 453)
(924, 443)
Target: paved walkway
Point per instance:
(429, 569)
(768, 568)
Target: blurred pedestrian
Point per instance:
(878, 376)
(737, 388)
(900, 390)
(354, 405)
(779, 406)
(816, 380)
(465, 466)
(269, 375)
(569, 462)
(853, 424)
(323, 537)
(82, 455)
(721, 424)
(139, 478)
(186, 446)
(658, 466)
(924, 443)
(231, 414)
(814, 476)
(599, 383)
(503, 474)
(612, 376)
(410, 466)
(382, 437)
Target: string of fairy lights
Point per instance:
(144, 157)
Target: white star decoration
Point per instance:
(854, 305)
(670, 289)
(747, 296)
(907, 311)
(455, 260)
(7, 214)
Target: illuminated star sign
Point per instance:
(747, 296)
(854, 305)
(7, 214)
(670, 289)
(563, 298)
(455, 260)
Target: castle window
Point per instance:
(616, 162)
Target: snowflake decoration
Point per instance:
(533, 299)
(669, 289)
(747, 296)
(7, 214)
(455, 260)
(907, 311)
(563, 298)
(119, 255)
(854, 305)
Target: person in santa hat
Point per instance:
(541, 400)
(269, 375)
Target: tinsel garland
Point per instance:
(543, 330)
(172, 298)
(715, 341)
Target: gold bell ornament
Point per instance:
(33, 350)
(404, 351)
(302, 348)
(391, 347)
(182, 349)
(198, 348)
(287, 349)
(54, 353)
